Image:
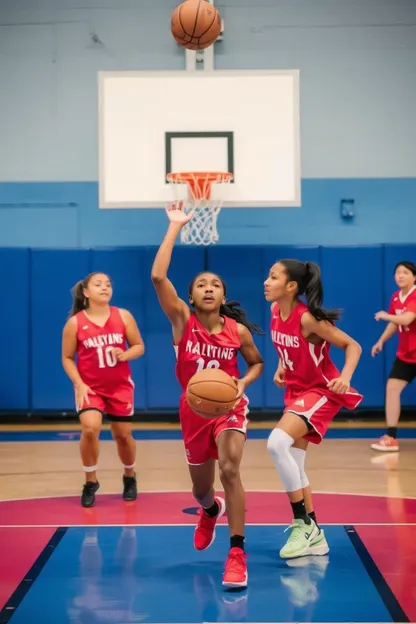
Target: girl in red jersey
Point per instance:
(210, 336)
(315, 389)
(97, 333)
(401, 318)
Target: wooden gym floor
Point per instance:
(365, 501)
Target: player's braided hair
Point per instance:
(307, 276)
(79, 301)
(231, 309)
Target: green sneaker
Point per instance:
(318, 545)
(300, 538)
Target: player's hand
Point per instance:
(340, 385)
(377, 348)
(177, 214)
(279, 378)
(120, 354)
(381, 316)
(81, 395)
(241, 388)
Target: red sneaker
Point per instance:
(386, 444)
(235, 572)
(205, 531)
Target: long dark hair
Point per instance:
(79, 301)
(410, 266)
(231, 309)
(307, 276)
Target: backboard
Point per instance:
(154, 123)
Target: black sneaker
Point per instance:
(88, 493)
(129, 488)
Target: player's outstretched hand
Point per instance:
(177, 214)
(377, 348)
(81, 395)
(340, 385)
(381, 316)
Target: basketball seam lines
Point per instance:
(180, 22)
(208, 29)
(211, 400)
(196, 20)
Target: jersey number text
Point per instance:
(106, 357)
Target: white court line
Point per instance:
(188, 491)
(190, 525)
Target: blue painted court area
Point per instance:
(153, 574)
(175, 434)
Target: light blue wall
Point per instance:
(357, 60)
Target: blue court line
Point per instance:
(20, 592)
(154, 575)
(390, 601)
(158, 434)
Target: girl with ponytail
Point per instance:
(208, 332)
(315, 390)
(102, 339)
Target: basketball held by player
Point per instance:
(401, 319)
(103, 339)
(209, 333)
(315, 390)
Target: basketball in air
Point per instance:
(211, 393)
(195, 24)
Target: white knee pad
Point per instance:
(279, 446)
(299, 455)
(279, 442)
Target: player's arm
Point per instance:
(69, 349)
(134, 338)
(252, 357)
(279, 375)
(334, 336)
(175, 308)
(390, 330)
(404, 320)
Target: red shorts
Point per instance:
(117, 403)
(319, 410)
(200, 434)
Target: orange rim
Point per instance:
(200, 181)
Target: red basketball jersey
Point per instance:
(307, 367)
(400, 304)
(198, 349)
(97, 365)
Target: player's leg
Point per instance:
(121, 428)
(200, 451)
(230, 444)
(120, 409)
(311, 422)
(91, 421)
(212, 506)
(318, 545)
(402, 373)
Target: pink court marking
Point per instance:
(167, 508)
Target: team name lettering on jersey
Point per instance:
(210, 351)
(103, 340)
(285, 340)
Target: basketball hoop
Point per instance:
(192, 193)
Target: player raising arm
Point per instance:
(315, 389)
(207, 333)
(401, 318)
(97, 334)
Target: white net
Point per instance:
(192, 193)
